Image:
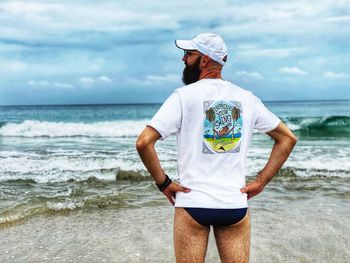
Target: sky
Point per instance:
(92, 52)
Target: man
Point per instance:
(213, 120)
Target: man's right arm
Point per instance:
(284, 143)
(145, 147)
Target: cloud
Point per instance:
(105, 79)
(49, 40)
(63, 85)
(12, 66)
(149, 80)
(87, 80)
(254, 75)
(162, 78)
(339, 19)
(45, 83)
(41, 83)
(248, 50)
(334, 75)
(42, 20)
(292, 71)
(90, 80)
(27, 8)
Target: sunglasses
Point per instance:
(188, 53)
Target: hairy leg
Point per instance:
(233, 241)
(190, 238)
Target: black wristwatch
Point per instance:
(164, 185)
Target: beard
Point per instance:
(191, 73)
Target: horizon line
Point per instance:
(150, 103)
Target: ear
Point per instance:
(205, 61)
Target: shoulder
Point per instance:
(188, 88)
(243, 93)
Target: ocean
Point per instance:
(63, 159)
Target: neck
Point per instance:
(211, 74)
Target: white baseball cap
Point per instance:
(208, 44)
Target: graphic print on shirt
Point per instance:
(223, 126)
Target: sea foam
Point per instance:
(33, 128)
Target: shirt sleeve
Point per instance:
(265, 121)
(168, 118)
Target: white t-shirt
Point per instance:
(213, 120)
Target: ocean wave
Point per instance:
(312, 126)
(33, 128)
(94, 194)
(24, 211)
(320, 126)
(88, 195)
(3, 123)
(43, 168)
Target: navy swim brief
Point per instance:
(216, 217)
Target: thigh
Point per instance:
(190, 238)
(233, 241)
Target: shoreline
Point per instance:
(145, 235)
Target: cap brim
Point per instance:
(184, 44)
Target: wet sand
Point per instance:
(297, 231)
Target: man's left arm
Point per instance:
(284, 143)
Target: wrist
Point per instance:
(165, 184)
(260, 179)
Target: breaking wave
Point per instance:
(309, 126)
(320, 126)
(33, 128)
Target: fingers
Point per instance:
(184, 189)
(244, 190)
(247, 188)
(175, 187)
(171, 190)
(171, 200)
(252, 189)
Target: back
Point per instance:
(213, 120)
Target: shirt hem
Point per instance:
(163, 135)
(271, 128)
(214, 206)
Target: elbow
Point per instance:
(140, 144)
(288, 140)
(146, 139)
(293, 140)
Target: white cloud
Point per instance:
(247, 50)
(63, 85)
(254, 75)
(45, 83)
(161, 78)
(41, 83)
(39, 19)
(338, 19)
(293, 71)
(334, 75)
(86, 80)
(154, 79)
(27, 8)
(12, 66)
(90, 80)
(50, 40)
(105, 79)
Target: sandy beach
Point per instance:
(299, 231)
